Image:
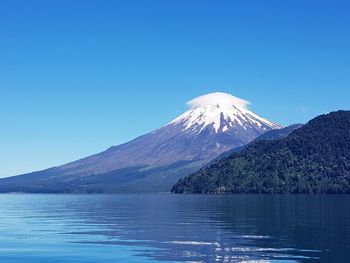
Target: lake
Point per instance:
(174, 228)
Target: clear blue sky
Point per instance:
(79, 76)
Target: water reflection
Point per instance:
(239, 228)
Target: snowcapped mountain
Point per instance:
(221, 112)
(215, 123)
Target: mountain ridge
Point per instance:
(270, 135)
(312, 159)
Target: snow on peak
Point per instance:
(222, 111)
(218, 99)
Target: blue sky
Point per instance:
(79, 76)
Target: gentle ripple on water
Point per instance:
(174, 228)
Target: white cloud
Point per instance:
(218, 98)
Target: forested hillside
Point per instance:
(312, 159)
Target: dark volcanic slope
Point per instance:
(312, 159)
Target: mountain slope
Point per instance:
(267, 136)
(312, 159)
(215, 123)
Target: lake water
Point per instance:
(174, 228)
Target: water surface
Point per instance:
(174, 228)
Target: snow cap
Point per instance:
(218, 98)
